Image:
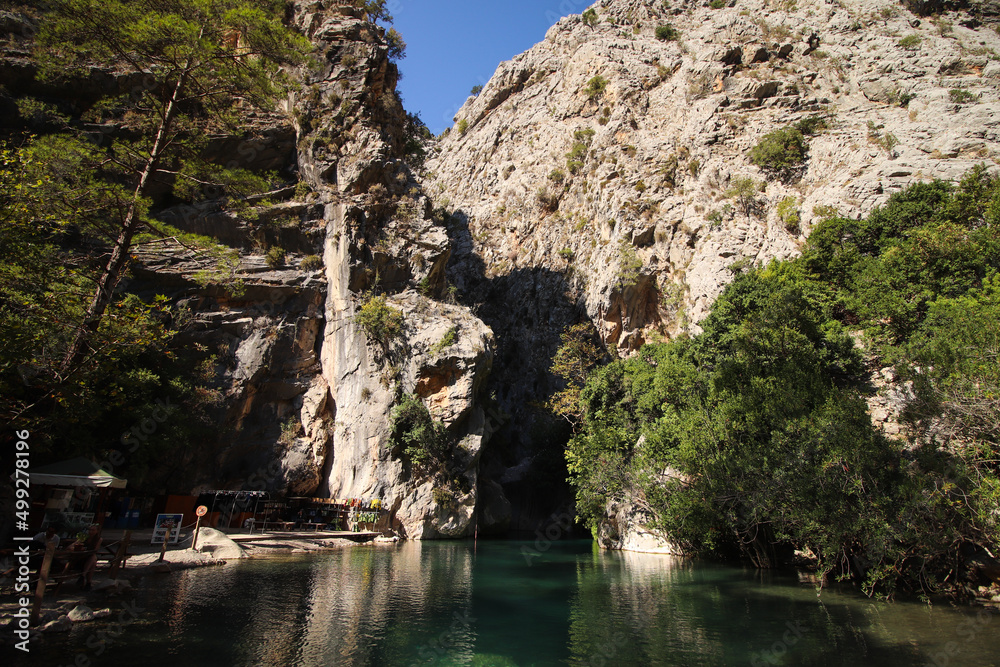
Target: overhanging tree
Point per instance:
(201, 62)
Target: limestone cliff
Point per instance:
(605, 174)
(303, 396)
(380, 237)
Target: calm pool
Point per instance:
(503, 603)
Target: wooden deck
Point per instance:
(363, 536)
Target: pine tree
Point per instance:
(200, 63)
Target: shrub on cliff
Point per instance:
(667, 33)
(381, 322)
(780, 152)
(416, 435)
(311, 263)
(397, 47)
(275, 258)
(596, 86)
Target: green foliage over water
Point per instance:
(754, 437)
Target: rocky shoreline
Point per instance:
(71, 604)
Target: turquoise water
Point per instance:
(503, 603)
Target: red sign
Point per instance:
(201, 511)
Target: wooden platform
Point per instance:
(363, 536)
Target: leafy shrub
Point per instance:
(629, 265)
(302, 190)
(667, 33)
(476, 90)
(961, 96)
(290, 430)
(596, 87)
(447, 340)
(576, 156)
(380, 321)
(717, 4)
(275, 257)
(463, 126)
(416, 435)
(744, 190)
(557, 176)
(910, 42)
(788, 213)
(444, 497)
(590, 17)
(311, 263)
(567, 254)
(547, 201)
(584, 136)
(780, 152)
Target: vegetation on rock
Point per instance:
(667, 33)
(415, 434)
(596, 86)
(275, 257)
(202, 62)
(753, 437)
(381, 322)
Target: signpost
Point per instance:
(200, 512)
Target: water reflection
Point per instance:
(460, 604)
(649, 609)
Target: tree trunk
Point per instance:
(112, 273)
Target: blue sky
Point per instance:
(454, 45)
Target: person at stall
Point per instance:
(86, 561)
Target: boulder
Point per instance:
(81, 613)
(218, 544)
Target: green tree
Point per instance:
(954, 363)
(577, 355)
(415, 434)
(745, 191)
(203, 61)
(753, 437)
(376, 10)
(780, 152)
(132, 373)
(397, 47)
(381, 322)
